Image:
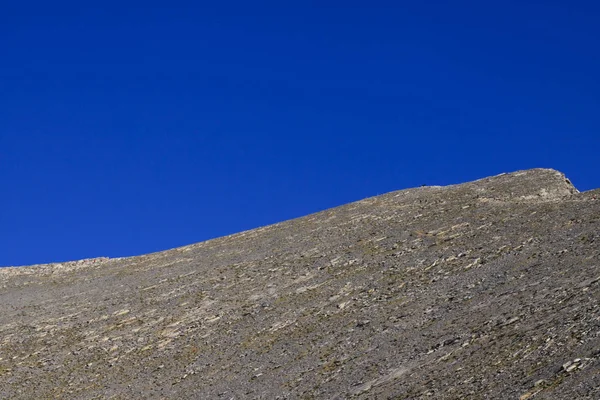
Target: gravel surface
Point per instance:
(484, 290)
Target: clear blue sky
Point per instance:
(130, 127)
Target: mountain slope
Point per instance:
(489, 289)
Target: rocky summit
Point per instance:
(484, 290)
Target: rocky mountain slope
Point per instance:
(489, 289)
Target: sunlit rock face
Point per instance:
(488, 289)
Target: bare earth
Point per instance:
(485, 290)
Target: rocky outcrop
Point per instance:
(489, 289)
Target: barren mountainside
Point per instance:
(484, 290)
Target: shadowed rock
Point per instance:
(489, 289)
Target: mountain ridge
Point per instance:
(482, 289)
(561, 178)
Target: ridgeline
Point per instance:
(484, 290)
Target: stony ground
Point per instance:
(484, 290)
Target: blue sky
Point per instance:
(133, 127)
